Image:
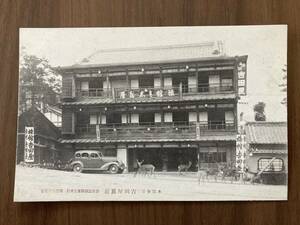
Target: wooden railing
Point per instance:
(207, 88)
(173, 130)
(155, 92)
(94, 92)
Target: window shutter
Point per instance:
(214, 81)
(124, 118)
(229, 118)
(192, 116)
(103, 119)
(168, 81)
(168, 117)
(203, 117)
(134, 118)
(192, 82)
(68, 87)
(157, 118)
(84, 85)
(93, 119)
(157, 82)
(134, 83)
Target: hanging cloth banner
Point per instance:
(98, 132)
(29, 144)
(198, 131)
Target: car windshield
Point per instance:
(100, 154)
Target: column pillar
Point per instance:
(122, 155)
(197, 78)
(127, 80)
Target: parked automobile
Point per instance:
(94, 160)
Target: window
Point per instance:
(146, 118)
(114, 118)
(275, 166)
(212, 157)
(85, 155)
(93, 119)
(94, 155)
(77, 155)
(110, 152)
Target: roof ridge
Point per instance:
(155, 47)
(266, 122)
(148, 48)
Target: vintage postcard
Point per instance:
(152, 114)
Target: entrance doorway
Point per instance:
(164, 159)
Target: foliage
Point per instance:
(259, 110)
(39, 82)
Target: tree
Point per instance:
(40, 84)
(283, 85)
(259, 110)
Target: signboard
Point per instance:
(29, 144)
(146, 93)
(240, 152)
(242, 76)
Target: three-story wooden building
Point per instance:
(164, 105)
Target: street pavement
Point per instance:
(37, 184)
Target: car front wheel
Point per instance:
(113, 169)
(77, 168)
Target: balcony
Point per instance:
(157, 131)
(146, 93)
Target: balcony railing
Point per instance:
(208, 88)
(173, 130)
(155, 92)
(94, 92)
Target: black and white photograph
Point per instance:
(152, 114)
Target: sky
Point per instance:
(266, 47)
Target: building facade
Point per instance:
(164, 105)
(267, 150)
(45, 139)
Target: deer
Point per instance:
(144, 168)
(202, 174)
(184, 167)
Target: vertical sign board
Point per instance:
(240, 152)
(29, 144)
(242, 76)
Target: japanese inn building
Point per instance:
(165, 105)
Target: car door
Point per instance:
(96, 160)
(85, 159)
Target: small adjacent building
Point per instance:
(45, 137)
(267, 150)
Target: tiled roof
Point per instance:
(202, 138)
(270, 151)
(144, 55)
(266, 132)
(95, 101)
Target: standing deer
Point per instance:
(184, 167)
(143, 169)
(202, 174)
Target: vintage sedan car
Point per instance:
(94, 160)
